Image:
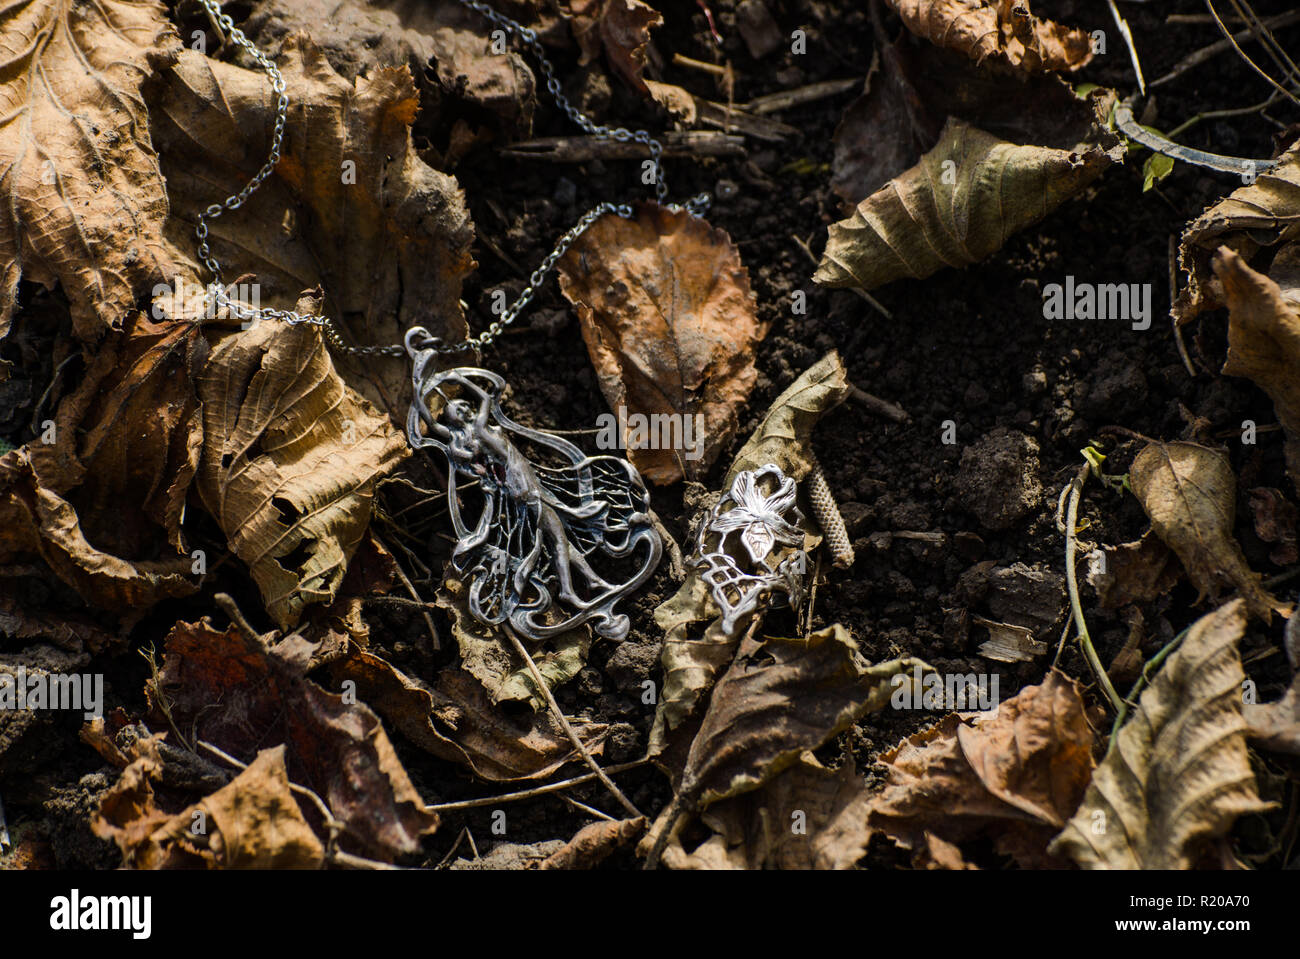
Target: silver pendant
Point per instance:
(527, 552)
(760, 522)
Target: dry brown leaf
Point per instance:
(671, 326)
(1189, 492)
(594, 843)
(1002, 30)
(455, 720)
(86, 200)
(1178, 774)
(691, 661)
(1264, 342)
(1276, 520)
(351, 207)
(1262, 214)
(334, 745)
(807, 817)
(1276, 726)
(1016, 773)
(290, 457)
(621, 28)
(1135, 572)
(102, 504)
(959, 204)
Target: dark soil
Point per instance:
(968, 346)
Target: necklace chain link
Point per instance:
(219, 298)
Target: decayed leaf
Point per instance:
(351, 207)
(253, 822)
(1276, 522)
(494, 662)
(594, 843)
(1178, 774)
(1276, 726)
(1135, 572)
(290, 457)
(671, 326)
(1262, 214)
(806, 817)
(691, 662)
(916, 87)
(1264, 341)
(958, 205)
(778, 698)
(85, 198)
(102, 504)
(1002, 30)
(621, 28)
(455, 720)
(1016, 773)
(334, 746)
(1190, 494)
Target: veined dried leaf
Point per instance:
(1016, 773)
(671, 326)
(1178, 774)
(1190, 494)
(102, 504)
(691, 662)
(621, 28)
(86, 200)
(1262, 214)
(351, 207)
(290, 456)
(1264, 342)
(1002, 30)
(754, 830)
(958, 205)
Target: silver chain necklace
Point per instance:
(526, 551)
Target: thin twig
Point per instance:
(1221, 46)
(563, 720)
(581, 149)
(531, 793)
(1128, 40)
(428, 620)
(876, 304)
(589, 810)
(874, 404)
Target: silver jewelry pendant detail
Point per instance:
(527, 554)
(761, 522)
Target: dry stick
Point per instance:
(1269, 42)
(1128, 40)
(1085, 640)
(333, 854)
(428, 620)
(228, 606)
(1242, 166)
(1227, 35)
(775, 102)
(532, 793)
(1173, 296)
(874, 404)
(564, 722)
(1221, 46)
(589, 810)
(862, 293)
(712, 68)
(580, 149)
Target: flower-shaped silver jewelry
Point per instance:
(766, 524)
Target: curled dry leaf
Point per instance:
(253, 822)
(86, 201)
(455, 720)
(1190, 494)
(754, 830)
(1004, 31)
(1264, 340)
(691, 661)
(1178, 774)
(102, 504)
(336, 748)
(356, 36)
(671, 326)
(621, 28)
(1262, 214)
(778, 698)
(1015, 774)
(384, 234)
(958, 205)
(496, 664)
(290, 456)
